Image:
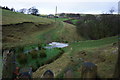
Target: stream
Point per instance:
(50, 46)
(56, 45)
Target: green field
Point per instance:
(83, 45)
(96, 51)
(59, 19)
(74, 21)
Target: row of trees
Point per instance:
(32, 10)
(97, 26)
(77, 16)
(69, 15)
(6, 8)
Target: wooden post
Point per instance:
(88, 70)
(117, 66)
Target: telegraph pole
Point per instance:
(55, 13)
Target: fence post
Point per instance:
(117, 66)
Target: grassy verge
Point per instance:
(59, 19)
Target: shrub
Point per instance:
(65, 41)
(39, 46)
(37, 63)
(22, 58)
(49, 61)
(61, 50)
(34, 54)
(20, 49)
(42, 53)
(34, 68)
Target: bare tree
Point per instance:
(23, 10)
(12, 9)
(33, 11)
(112, 10)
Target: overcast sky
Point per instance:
(66, 6)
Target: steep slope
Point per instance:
(102, 52)
(20, 29)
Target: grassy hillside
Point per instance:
(9, 17)
(25, 30)
(84, 45)
(101, 52)
(20, 29)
